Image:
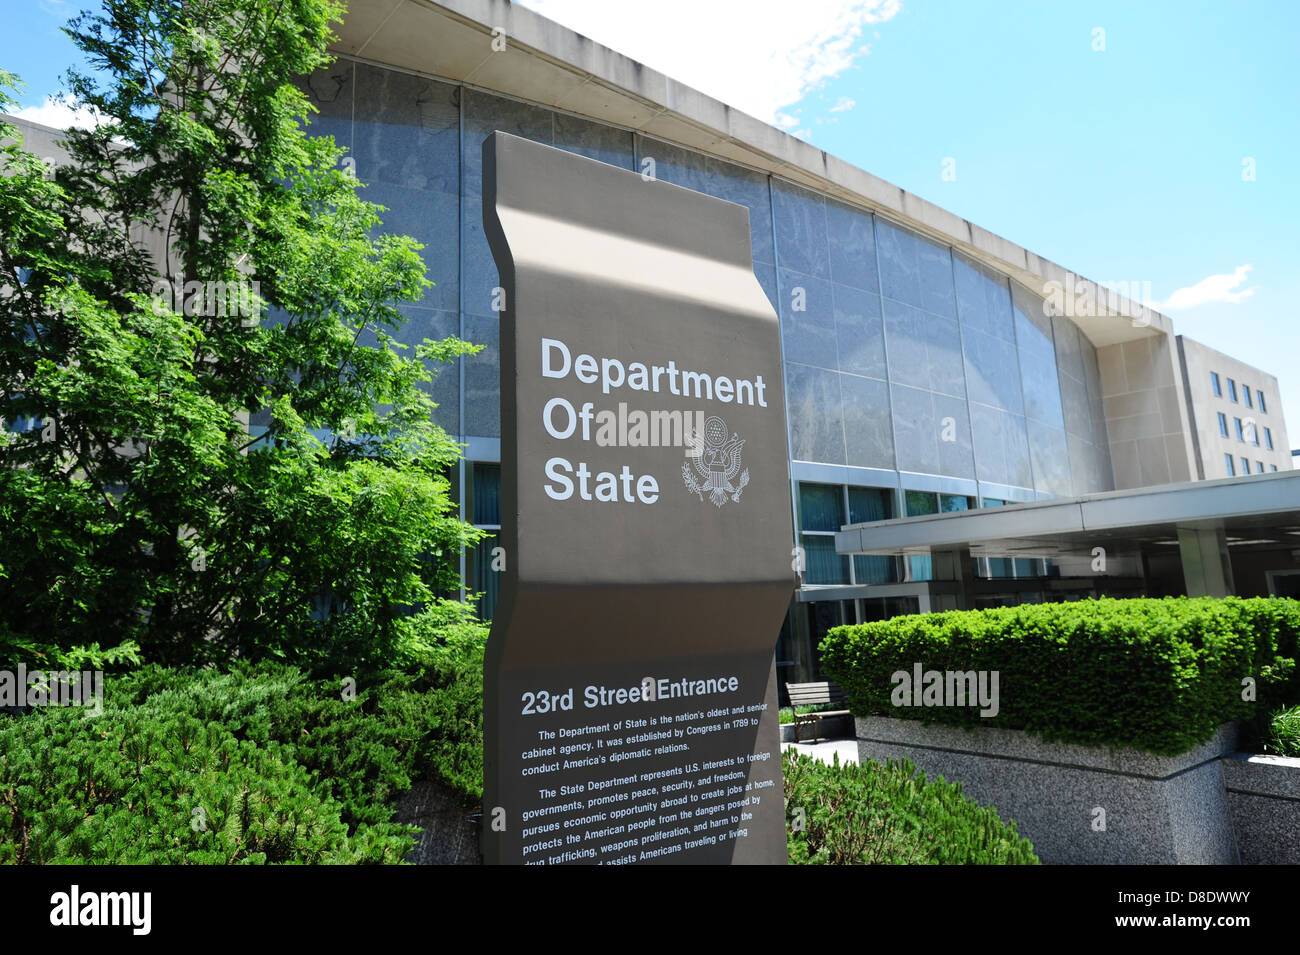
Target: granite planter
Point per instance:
(1264, 801)
(1157, 809)
(834, 727)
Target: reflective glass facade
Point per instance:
(902, 356)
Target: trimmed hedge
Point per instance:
(874, 814)
(1150, 674)
(257, 765)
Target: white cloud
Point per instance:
(1213, 288)
(60, 115)
(844, 104)
(756, 55)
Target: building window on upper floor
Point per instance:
(822, 565)
(1259, 467)
(1214, 384)
(1241, 434)
(821, 514)
(1268, 439)
(918, 503)
(872, 504)
(1252, 432)
(1223, 424)
(1232, 389)
(484, 562)
(1245, 465)
(1273, 466)
(1262, 407)
(821, 507)
(1245, 393)
(955, 502)
(1232, 472)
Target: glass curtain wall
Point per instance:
(901, 354)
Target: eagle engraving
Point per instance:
(713, 461)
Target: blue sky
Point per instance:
(1118, 155)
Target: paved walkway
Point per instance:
(846, 748)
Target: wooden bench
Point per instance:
(815, 694)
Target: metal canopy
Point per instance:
(1261, 511)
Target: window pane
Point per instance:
(1001, 446)
(823, 565)
(801, 235)
(807, 320)
(1232, 389)
(852, 246)
(932, 431)
(1223, 424)
(486, 492)
(1001, 567)
(983, 300)
(875, 569)
(921, 502)
(1245, 393)
(821, 507)
(1228, 460)
(1214, 383)
(483, 377)
(1259, 467)
(870, 504)
(816, 412)
(954, 502)
(868, 432)
(1262, 406)
(1268, 438)
(915, 271)
(859, 332)
(1245, 466)
(482, 578)
(924, 350)
(992, 371)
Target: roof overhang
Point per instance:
(1262, 511)
(547, 63)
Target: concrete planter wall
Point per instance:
(1264, 800)
(836, 727)
(1157, 809)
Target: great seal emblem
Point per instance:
(715, 459)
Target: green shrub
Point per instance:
(1157, 675)
(889, 814)
(154, 784)
(259, 764)
(1284, 732)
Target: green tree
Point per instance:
(201, 264)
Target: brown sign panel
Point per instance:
(630, 690)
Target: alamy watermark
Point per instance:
(923, 687)
(1079, 298)
(129, 909)
(53, 688)
(238, 299)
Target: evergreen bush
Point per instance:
(874, 814)
(1152, 674)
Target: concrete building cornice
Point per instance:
(549, 64)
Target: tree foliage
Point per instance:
(214, 444)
